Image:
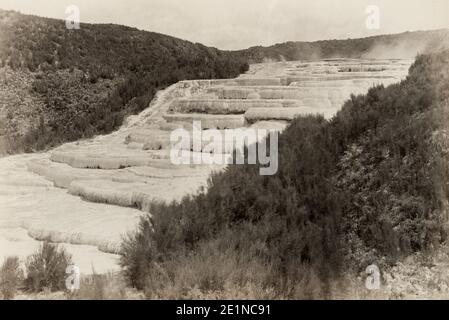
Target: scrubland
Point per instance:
(365, 187)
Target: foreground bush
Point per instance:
(275, 234)
(11, 276)
(46, 269)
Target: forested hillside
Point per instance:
(403, 45)
(368, 186)
(84, 82)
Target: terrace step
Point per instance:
(247, 82)
(135, 194)
(286, 114)
(228, 106)
(208, 121)
(361, 83)
(62, 175)
(110, 162)
(289, 80)
(284, 92)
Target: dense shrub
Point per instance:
(280, 225)
(11, 276)
(392, 169)
(46, 269)
(366, 187)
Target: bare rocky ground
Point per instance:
(86, 195)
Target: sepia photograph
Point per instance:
(204, 151)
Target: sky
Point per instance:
(239, 24)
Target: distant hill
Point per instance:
(62, 85)
(403, 45)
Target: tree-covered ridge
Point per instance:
(368, 186)
(91, 78)
(104, 50)
(403, 45)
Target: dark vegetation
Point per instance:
(91, 78)
(10, 278)
(368, 186)
(46, 269)
(43, 274)
(394, 166)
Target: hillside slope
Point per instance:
(85, 81)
